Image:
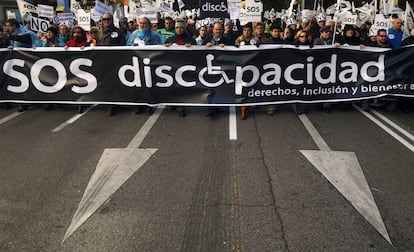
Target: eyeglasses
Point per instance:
(106, 19)
(302, 36)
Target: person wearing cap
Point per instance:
(320, 22)
(325, 37)
(291, 23)
(229, 34)
(181, 38)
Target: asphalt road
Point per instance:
(201, 191)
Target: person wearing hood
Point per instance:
(144, 35)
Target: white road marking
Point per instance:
(142, 133)
(322, 145)
(344, 172)
(232, 123)
(114, 168)
(386, 129)
(73, 119)
(393, 124)
(9, 117)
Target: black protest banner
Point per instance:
(200, 76)
(213, 9)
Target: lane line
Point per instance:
(232, 123)
(9, 117)
(142, 133)
(386, 129)
(317, 138)
(73, 119)
(394, 125)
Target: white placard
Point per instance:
(25, 7)
(380, 22)
(10, 14)
(38, 24)
(349, 18)
(101, 8)
(148, 12)
(84, 19)
(65, 18)
(45, 11)
(252, 12)
(234, 12)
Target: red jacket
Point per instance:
(76, 43)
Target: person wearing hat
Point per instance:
(291, 23)
(51, 39)
(325, 37)
(320, 22)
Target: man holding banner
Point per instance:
(109, 35)
(19, 36)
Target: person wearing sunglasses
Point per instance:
(109, 35)
(382, 39)
(301, 38)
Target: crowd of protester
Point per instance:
(306, 32)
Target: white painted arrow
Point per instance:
(114, 168)
(343, 171)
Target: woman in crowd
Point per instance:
(63, 35)
(51, 39)
(289, 36)
(247, 38)
(301, 38)
(77, 38)
(349, 36)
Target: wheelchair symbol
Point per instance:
(213, 70)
